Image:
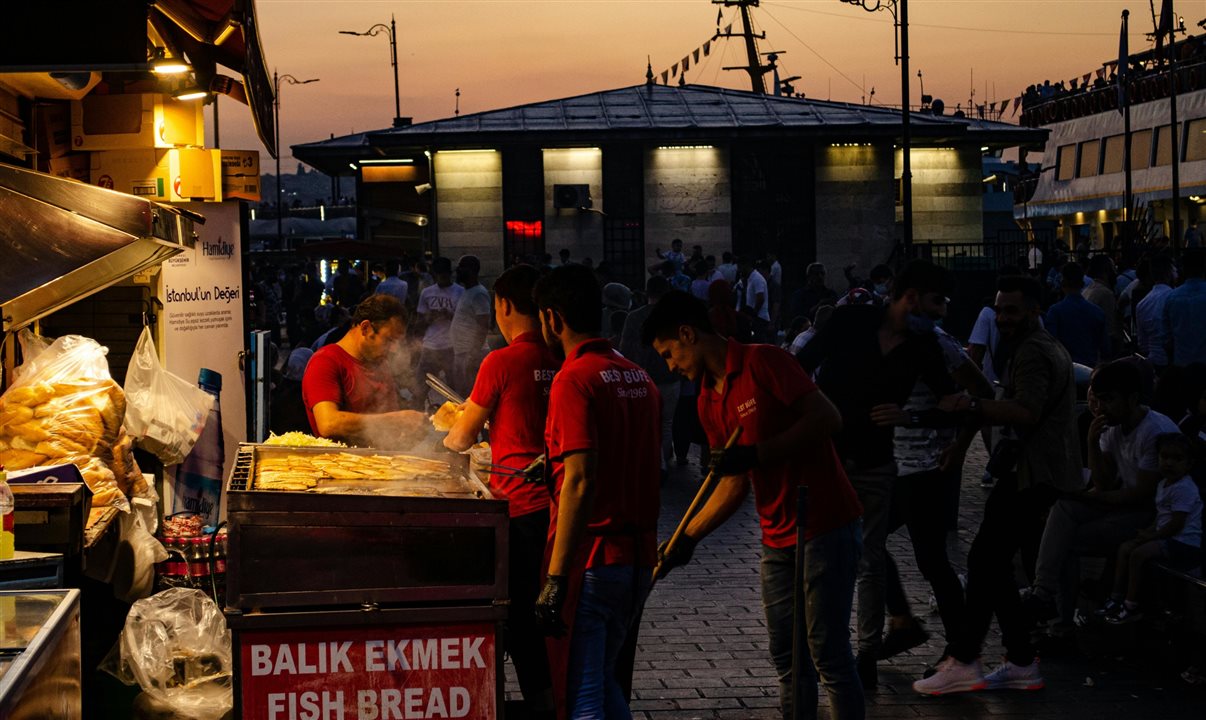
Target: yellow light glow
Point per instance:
(685, 147)
(192, 95)
(170, 67)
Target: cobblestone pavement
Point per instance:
(702, 649)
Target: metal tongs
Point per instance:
(441, 387)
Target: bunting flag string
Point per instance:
(728, 29)
(1101, 74)
(695, 54)
(665, 77)
(686, 62)
(707, 48)
(1085, 80)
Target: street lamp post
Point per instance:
(392, 30)
(900, 17)
(276, 112)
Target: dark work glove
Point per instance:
(678, 555)
(737, 460)
(549, 605)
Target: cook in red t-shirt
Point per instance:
(603, 440)
(785, 443)
(512, 393)
(347, 389)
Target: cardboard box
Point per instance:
(53, 129)
(176, 175)
(74, 166)
(131, 122)
(241, 175)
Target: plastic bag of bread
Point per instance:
(65, 407)
(446, 416)
(166, 413)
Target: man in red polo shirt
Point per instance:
(603, 444)
(512, 393)
(349, 392)
(786, 427)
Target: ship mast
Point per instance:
(755, 68)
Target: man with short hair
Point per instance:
(1184, 310)
(786, 424)
(727, 268)
(511, 392)
(1149, 313)
(815, 293)
(869, 358)
(1101, 293)
(1123, 472)
(470, 324)
(643, 354)
(437, 305)
(349, 393)
(394, 285)
(1074, 321)
(604, 458)
(755, 301)
(1042, 461)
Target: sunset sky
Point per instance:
(508, 52)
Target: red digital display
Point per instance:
(526, 228)
(392, 672)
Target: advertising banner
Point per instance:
(387, 672)
(202, 295)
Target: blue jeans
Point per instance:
(830, 562)
(611, 597)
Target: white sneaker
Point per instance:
(952, 677)
(1015, 677)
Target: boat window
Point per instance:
(1090, 159)
(1195, 140)
(1066, 163)
(1113, 155)
(1164, 145)
(1141, 149)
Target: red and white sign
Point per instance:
(391, 672)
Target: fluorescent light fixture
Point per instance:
(170, 67)
(352, 165)
(387, 161)
(191, 93)
(685, 147)
(983, 148)
(990, 178)
(849, 144)
(225, 33)
(461, 152)
(428, 152)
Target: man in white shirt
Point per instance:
(394, 285)
(437, 305)
(728, 268)
(1149, 313)
(470, 324)
(1123, 472)
(757, 301)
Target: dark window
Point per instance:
(624, 223)
(1090, 158)
(523, 205)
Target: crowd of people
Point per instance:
(1086, 382)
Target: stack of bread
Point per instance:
(50, 419)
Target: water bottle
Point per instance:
(198, 486)
(7, 539)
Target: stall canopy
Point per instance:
(69, 40)
(62, 241)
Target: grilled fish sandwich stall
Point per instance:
(364, 584)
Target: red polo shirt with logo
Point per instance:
(514, 382)
(603, 402)
(761, 384)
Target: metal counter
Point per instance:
(40, 655)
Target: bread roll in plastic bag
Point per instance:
(177, 648)
(65, 407)
(166, 413)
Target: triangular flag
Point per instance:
(707, 48)
(719, 16)
(674, 70)
(1016, 102)
(1085, 80)
(728, 28)
(696, 56)
(686, 63)
(1101, 74)
(665, 77)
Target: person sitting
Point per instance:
(1175, 536)
(1123, 472)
